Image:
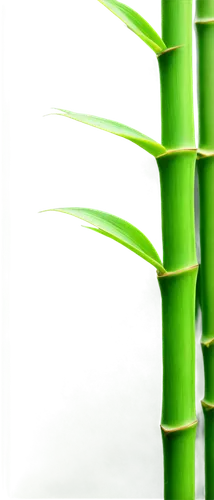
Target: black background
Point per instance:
(69, 289)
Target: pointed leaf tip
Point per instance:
(146, 143)
(119, 230)
(136, 23)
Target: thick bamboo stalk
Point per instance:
(176, 158)
(206, 190)
(205, 164)
(178, 422)
(177, 169)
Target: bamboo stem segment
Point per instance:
(178, 409)
(205, 166)
(205, 169)
(177, 287)
(206, 192)
(177, 170)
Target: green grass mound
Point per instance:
(105, 444)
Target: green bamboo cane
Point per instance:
(177, 170)
(177, 274)
(205, 165)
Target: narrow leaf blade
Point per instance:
(148, 144)
(136, 23)
(119, 230)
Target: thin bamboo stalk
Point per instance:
(177, 169)
(205, 165)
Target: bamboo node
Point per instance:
(208, 20)
(177, 151)
(169, 430)
(179, 271)
(208, 342)
(204, 153)
(206, 405)
(170, 49)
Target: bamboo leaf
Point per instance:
(151, 146)
(136, 23)
(119, 230)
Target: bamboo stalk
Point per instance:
(205, 166)
(176, 158)
(178, 315)
(177, 169)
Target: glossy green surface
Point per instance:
(209, 453)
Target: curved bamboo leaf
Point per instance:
(119, 230)
(137, 24)
(152, 147)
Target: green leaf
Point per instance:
(152, 147)
(137, 24)
(118, 230)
